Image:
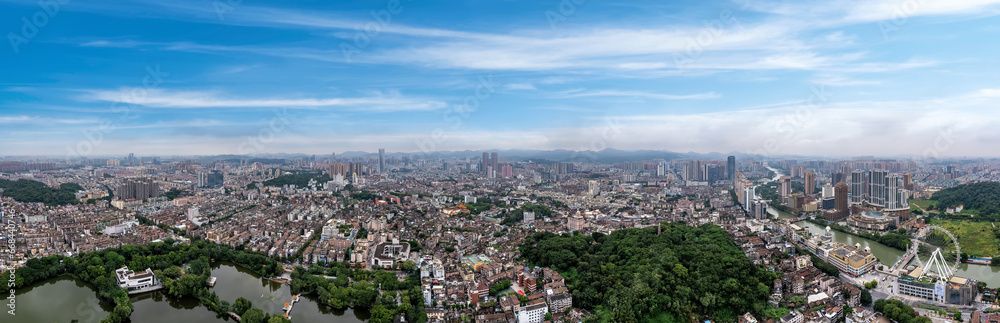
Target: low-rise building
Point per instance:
(132, 281)
(534, 313)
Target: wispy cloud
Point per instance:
(158, 98)
(519, 86)
(637, 94)
(33, 120)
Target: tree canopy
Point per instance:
(898, 311)
(983, 197)
(29, 191)
(685, 273)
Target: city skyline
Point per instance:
(771, 78)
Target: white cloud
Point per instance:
(24, 119)
(159, 98)
(616, 93)
(519, 86)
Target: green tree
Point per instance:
(866, 297)
(253, 315)
(242, 305)
(381, 314)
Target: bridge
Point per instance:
(798, 219)
(289, 305)
(911, 253)
(907, 257)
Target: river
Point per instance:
(888, 255)
(63, 299)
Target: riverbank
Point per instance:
(977, 239)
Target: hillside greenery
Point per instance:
(634, 275)
(29, 191)
(981, 197)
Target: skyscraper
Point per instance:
(859, 186)
(810, 185)
(484, 165)
(731, 168)
(495, 163)
(838, 177)
(381, 161)
(840, 200)
(877, 181)
(786, 187)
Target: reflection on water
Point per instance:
(61, 299)
(64, 299)
(234, 282)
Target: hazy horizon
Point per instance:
(851, 78)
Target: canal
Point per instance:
(888, 255)
(76, 301)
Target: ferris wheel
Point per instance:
(937, 262)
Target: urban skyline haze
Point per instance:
(884, 78)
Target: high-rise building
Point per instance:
(713, 173)
(877, 181)
(810, 183)
(692, 171)
(786, 186)
(731, 168)
(495, 162)
(381, 161)
(896, 195)
(661, 170)
(593, 188)
(507, 171)
(137, 188)
(213, 179)
(337, 169)
(908, 181)
(859, 186)
(838, 177)
(840, 200)
(484, 165)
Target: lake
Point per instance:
(63, 299)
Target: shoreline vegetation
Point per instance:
(96, 269)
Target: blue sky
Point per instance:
(838, 78)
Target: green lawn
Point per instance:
(923, 203)
(976, 238)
